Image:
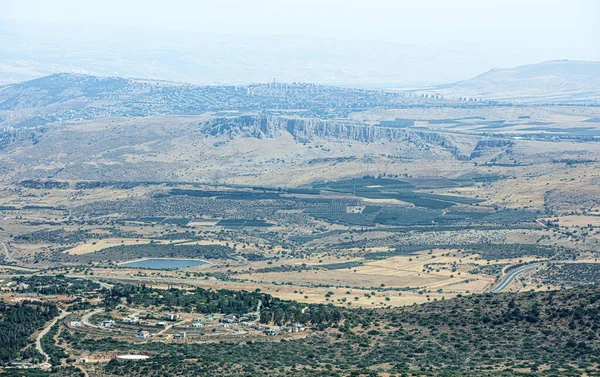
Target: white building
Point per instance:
(131, 320)
(171, 316)
(295, 327)
(142, 335)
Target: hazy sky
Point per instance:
(497, 33)
(569, 27)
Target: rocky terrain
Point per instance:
(154, 148)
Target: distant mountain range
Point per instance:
(556, 81)
(68, 96)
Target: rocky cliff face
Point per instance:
(306, 130)
(484, 146)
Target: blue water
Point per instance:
(164, 264)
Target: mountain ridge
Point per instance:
(555, 81)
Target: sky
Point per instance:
(496, 33)
(565, 25)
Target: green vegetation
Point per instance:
(423, 215)
(17, 323)
(49, 346)
(488, 269)
(64, 237)
(55, 285)
(385, 188)
(232, 195)
(154, 250)
(272, 310)
(44, 185)
(486, 251)
(499, 251)
(199, 300)
(67, 371)
(243, 222)
(281, 312)
(570, 274)
(503, 335)
(339, 266)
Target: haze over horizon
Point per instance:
(382, 44)
(416, 194)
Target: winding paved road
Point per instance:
(508, 279)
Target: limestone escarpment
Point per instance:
(308, 129)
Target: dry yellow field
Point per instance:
(344, 278)
(395, 272)
(579, 220)
(98, 245)
(340, 296)
(431, 271)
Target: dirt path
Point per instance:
(82, 369)
(85, 319)
(38, 341)
(257, 313)
(167, 328)
(6, 251)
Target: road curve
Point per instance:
(85, 319)
(508, 279)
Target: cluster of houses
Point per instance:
(274, 330)
(225, 322)
(244, 321)
(137, 320)
(294, 327)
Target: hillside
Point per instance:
(546, 334)
(553, 81)
(190, 148)
(113, 128)
(551, 334)
(66, 97)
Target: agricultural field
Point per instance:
(439, 238)
(429, 238)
